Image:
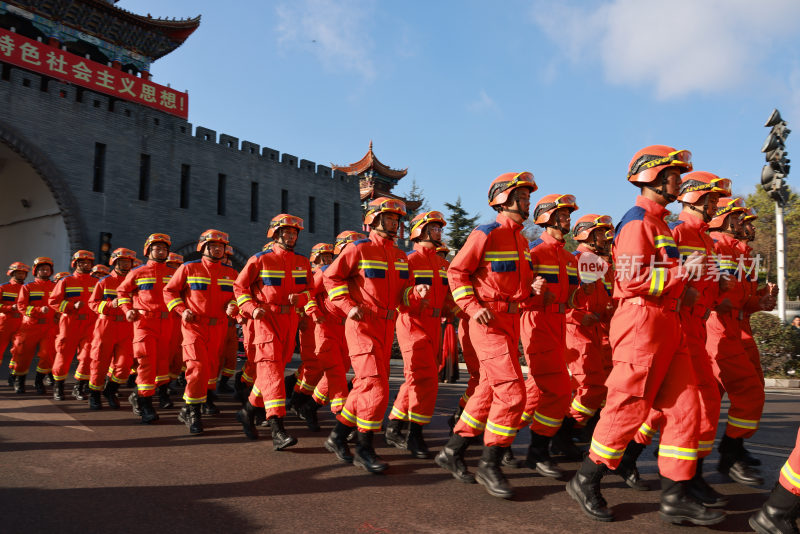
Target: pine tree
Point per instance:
(416, 194)
(459, 224)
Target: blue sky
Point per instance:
(460, 92)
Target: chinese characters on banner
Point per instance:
(56, 63)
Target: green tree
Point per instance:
(459, 224)
(416, 194)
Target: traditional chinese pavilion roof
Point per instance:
(151, 37)
(370, 162)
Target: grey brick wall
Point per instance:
(66, 130)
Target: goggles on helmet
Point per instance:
(680, 158)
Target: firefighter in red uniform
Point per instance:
(176, 368)
(10, 317)
(779, 513)
(368, 281)
(543, 331)
(490, 278)
(652, 366)
(230, 345)
(419, 331)
(70, 298)
(201, 294)
(112, 341)
(732, 365)
(584, 337)
(271, 285)
(99, 271)
(141, 297)
(38, 329)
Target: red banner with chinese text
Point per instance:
(56, 63)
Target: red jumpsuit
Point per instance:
(732, 365)
(419, 332)
(206, 288)
(112, 342)
(790, 472)
(750, 264)
(248, 339)
(584, 354)
(691, 235)
(228, 349)
(309, 372)
(75, 325)
(652, 366)
(10, 317)
(38, 328)
(373, 274)
(493, 271)
(142, 290)
(470, 359)
(544, 330)
(266, 282)
(330, 347)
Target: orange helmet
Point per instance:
(156, 238)
(320, 248)
(174, 257)
(59, 276)
(42, 260)
(121, 253)
(348, 236)
(384, 205)
(549, 204)
(284, 220)
(648, 162)
(750, 214)
(81, 255)
(419, 222)
(443, 248)
(101, 269)
(725, 207)
(586, 224)
(212, 236)
(17, 266)
(503, 185)
(697, 184)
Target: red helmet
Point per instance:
(42, 260)
(121, 253)
(212, 236)
(750, 214)
(419, 222)
(174, 257)
(284, 220)
(549, 204)
(81, 255)
(588, 223)
(17, 266)
(503, 185)
(384, 205)
(348, 236)
(725, 207)
(101, 269)
(697, 184)
(320, 248)
(59, 276)
(156, 238)
(648, 162)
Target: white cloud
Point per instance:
(336, 32)
(677, 47)
(483, 103)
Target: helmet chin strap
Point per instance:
(704, 211)
(663, 190)
(521, 213)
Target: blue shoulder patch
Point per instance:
(361, 241)
(192, 261)
(410, 253)
(674, 224)
(106, 276)
(323, 267)
(636, 213)
(259, 254)
(536, 243)
(486, 228)
(575, 252)
(138, 267)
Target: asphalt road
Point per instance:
(68, 469)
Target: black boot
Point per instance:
(416, 443)
(190, 415)
(539, 459)
(131, 382)
(308, 413)
(133, 398)
(48, 380)
(749, 459)
(223, 386)
(453, 419)
(239, 388)
(366, 456)
(247, 416)
(296, 401)
(779, 513)
(627, 467)
(19, 384)
(509, 460)
(337, 443)
(280, 439)
(584, 488)
(94, 400)
(678, 506)
(79, 390)
(451, 457)
(163, 397)
(731, 462)
(110, 393)
(149, 414)
(38, 383)
(11, 378)
(489, 474)
(393, 435)
(289, 381)
(209, 408)
(58, 390)
(698, 488)
(562, 444)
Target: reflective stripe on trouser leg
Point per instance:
(790, 472)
